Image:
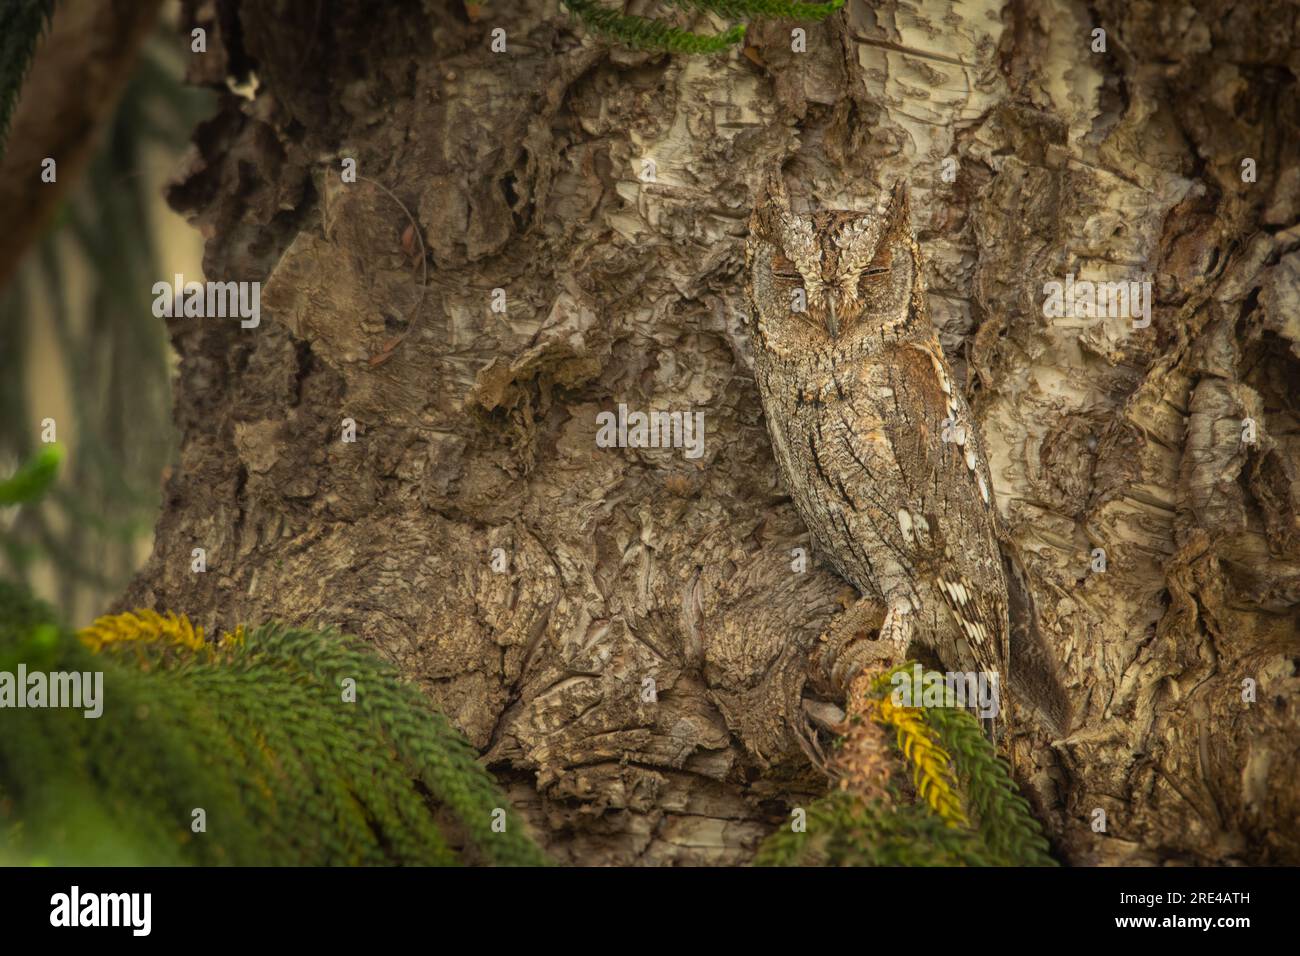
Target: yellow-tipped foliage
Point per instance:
(967, 812)
(932, 771)
(142, 626)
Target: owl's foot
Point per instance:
(849, 645)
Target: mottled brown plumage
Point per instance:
(873, 438)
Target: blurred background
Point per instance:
(79, 343)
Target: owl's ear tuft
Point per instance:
(775, 192)
(899, 213)
(772, 205)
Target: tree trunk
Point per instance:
(640, 673)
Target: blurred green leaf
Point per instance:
(33, 478)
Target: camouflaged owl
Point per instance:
(872, 436)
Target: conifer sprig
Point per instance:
(956, 773)
(1009, 829)
(257, 731)
(644, 33)
(845, 831)
(775, 9)
(932, 772)
(422, 738)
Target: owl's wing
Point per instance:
(939, 489)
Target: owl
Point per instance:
(872, 436)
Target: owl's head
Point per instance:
(829, 278)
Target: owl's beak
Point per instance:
(832, 323)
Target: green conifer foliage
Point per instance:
(993, 827)
(644, 33)
(844, 831)
(261, 733)
(1007, 827)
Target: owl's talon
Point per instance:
(848, 645)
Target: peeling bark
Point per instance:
(477, 430)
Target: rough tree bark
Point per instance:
(476, 431)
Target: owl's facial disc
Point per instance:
(829, 276)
